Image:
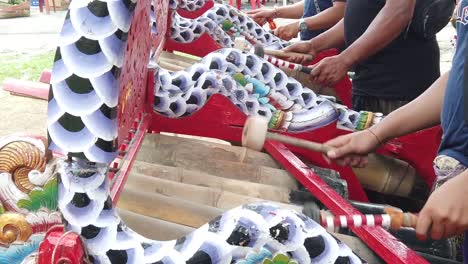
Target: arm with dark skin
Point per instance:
(391, 21)
(325, 19)
(261, 15)
(332, 38)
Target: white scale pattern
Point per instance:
(182, 93)
(186, 30)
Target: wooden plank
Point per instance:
(188, 148)
(222, 168)
(264, 191)
(153, 228)
(167, 208)
(223, 200)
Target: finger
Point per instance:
(422, 225)
(255, 11)
(326, 158)
(347, 160)
(332, 82)
(328, 82)
(343, 162)
(316, 70)
(258, 15)
(340, 162)
(338, 141)
(449, 230)
(298, 59)
(355, 161)
(437, 230)
(291, 48)
(363, 162)
(322, 76)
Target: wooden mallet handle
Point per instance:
(280, 53)
(310, 145)
(393, 219)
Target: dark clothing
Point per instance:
(455, 137)
(365, 103)
(312, 8)
(402, 70)
(455, 130)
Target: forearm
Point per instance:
(422, 112)
(327, 18)
(294, 11)
(386, 26)
(332, 38)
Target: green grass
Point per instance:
(24, 66)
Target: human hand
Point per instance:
(303, 47)
(445, 213)
(352, 149)
(261, 15)
(330, 70)
(287, 32)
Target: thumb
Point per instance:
(338, 152)
(288, 48)
(251, 12)
(291, 48)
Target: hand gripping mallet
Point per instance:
(255, 133)
(241, 44)
(260, 51)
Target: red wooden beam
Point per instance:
(132, 151)
(379, 240)
(37, 90)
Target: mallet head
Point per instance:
(259, 51)
(255, 132)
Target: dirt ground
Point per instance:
(38, 34)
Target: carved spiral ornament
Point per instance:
(19, 158)
(14, 228)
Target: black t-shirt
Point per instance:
(402, 70)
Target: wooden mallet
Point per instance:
(255, 133)
(260, 51)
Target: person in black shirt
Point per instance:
(392, 65)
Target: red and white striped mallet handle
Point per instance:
(290, 65)
(394, 219)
